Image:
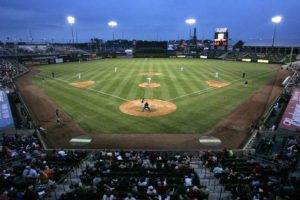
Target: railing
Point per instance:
(264, 159)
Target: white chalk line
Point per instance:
(182, 96)
(100, 92)
(211, 89)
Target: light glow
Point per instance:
(112, 24)
(71, 19)
(190, 21)
(276, 19)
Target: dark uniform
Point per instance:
(146, 106)
(57, 117)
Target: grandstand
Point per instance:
(245, 145)
(267, 167)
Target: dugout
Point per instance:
(290, 121)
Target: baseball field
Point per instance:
(185, 95)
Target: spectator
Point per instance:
(4, 196)
(30, 193)
(62, 155)
(129, 197)
(188, 181)
(151, 191)
(108, 196)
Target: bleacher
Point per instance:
(212, 54)
(135, 173)
(250, 179)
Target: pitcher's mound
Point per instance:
(149, 85)
(217, 84)
(149, 74)
(158, 108)
(82, 84)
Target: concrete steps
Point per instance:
(216, 190)
(72, 178)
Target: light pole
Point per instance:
(71, 21)
(275, 20)
(190, 22)
(113, 24)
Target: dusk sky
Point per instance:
(249, 20)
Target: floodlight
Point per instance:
(112, 24)
(276, 19)
(71, 19)
(190, 21)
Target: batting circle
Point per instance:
(157, 108)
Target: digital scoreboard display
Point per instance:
(221, 37)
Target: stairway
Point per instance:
(223, 56)
(216, 190)
(73, 177)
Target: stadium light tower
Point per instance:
(71, 21)
(112, 24)
(276, 20)
(190, 22)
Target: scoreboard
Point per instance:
(221, 37)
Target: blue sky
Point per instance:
(248, 20)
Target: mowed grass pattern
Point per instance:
(199, 106)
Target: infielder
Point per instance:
(217, 75)
(149, 80)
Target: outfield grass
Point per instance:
(199, 106)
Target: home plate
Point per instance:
(210, 140)
(81, 140)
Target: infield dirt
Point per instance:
(232, 130)
(149, 85)
(157, 108)
(82, 84)
(149, 74)
(217, 84)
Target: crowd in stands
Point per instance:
(271, 57)
(212, 54)
(19, 147)
(48, 49)
(140, 175)
(6, 51)
(8, 70)
(250, 179)
(32, 173)
(39, 49)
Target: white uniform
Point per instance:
(217, 75)
(116, 69)
(79, 75)
(149, 79)
(181, 68)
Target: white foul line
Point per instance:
(111, 95)
(209, 89)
